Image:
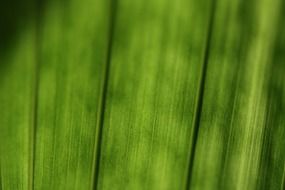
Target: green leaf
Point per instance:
(142, 94)
(239, 143)
(155, 70)
(17, 105)
(72, 55)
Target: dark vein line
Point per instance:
(0, 175)
(283, 180)
(38, 12)
(102, 103)
(200, 96)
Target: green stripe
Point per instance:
(157, 53)
(17, 82)
(72, 57)
(234, 123)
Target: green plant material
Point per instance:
(17, 93)
(72, 55)
(241, 133)
(109, 94)
(272, 166)
(157, 56)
